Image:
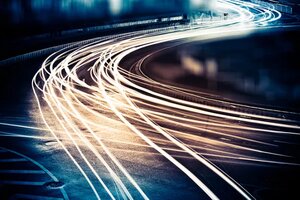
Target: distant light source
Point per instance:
(206, 4)
(197, 3)
(115, 6)
(88, 3)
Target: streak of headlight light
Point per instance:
(107, 151)
(60, 80)
(164, 153)
(218, 171)
(115, 177)
(35, 85)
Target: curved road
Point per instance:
(131, 136)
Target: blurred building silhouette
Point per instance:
(16, 11)
(37, 16)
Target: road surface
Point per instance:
(120, 133)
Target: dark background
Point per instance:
(27, 17)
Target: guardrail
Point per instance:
(49, 50)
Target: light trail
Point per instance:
(89, 102)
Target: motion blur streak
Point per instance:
(89, 101)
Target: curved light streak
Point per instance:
(82, 91)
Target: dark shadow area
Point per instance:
(258, 69)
